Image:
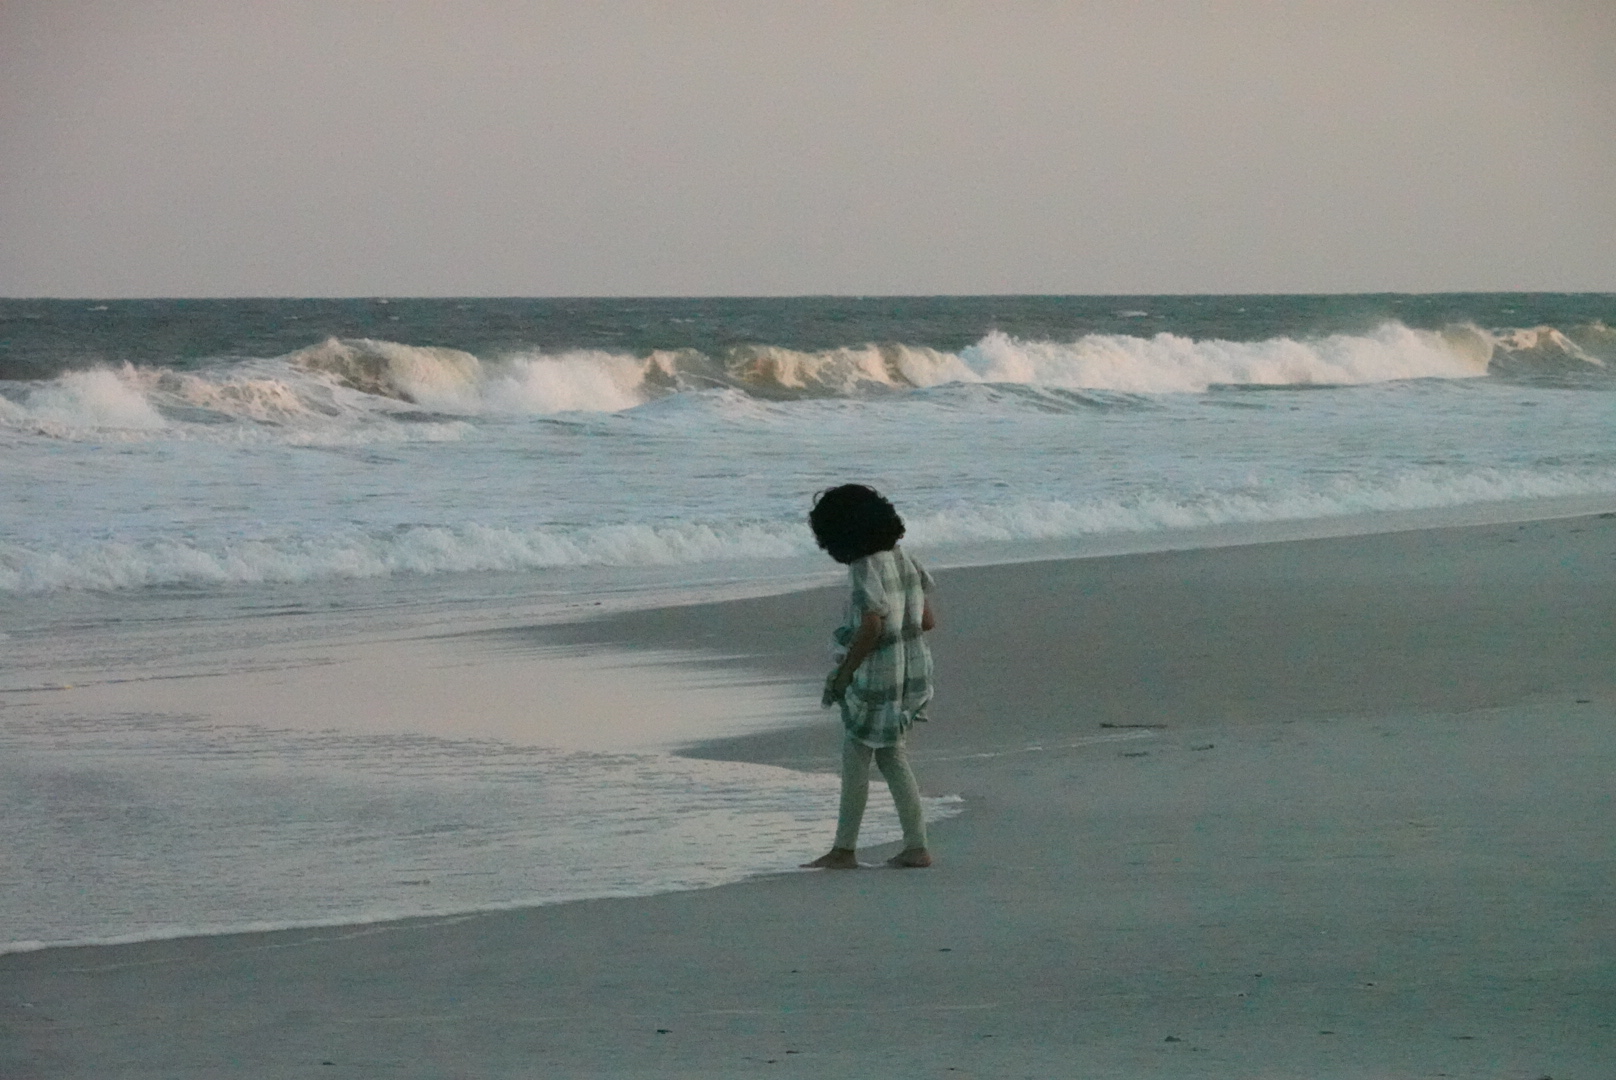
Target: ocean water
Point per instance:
(189, 487)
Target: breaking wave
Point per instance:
(244, 403)
(1163, 364)
(365, 389)
(99, 399)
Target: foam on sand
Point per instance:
(370, 783)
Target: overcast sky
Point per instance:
(339, 147)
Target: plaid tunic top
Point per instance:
(891, 687)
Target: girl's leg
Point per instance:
(855, 792)
(894, 765)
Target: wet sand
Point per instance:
(1335, 808)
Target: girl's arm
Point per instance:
(927, 619)
(862, 645)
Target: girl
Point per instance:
(882, 680)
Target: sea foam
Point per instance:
(437, 549)
(1171, 363)
(243, 828)
(99, 399)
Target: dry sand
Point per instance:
(1364, 832)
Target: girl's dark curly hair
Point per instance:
(853, 521)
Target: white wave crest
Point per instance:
(437, 378)
(597, 381)
(449, 380)
(1169, 363)
(341, 388)
(101, 399)
(261, 399)
(1546, 339)
(774, 371)
(1427, 489)
(116, 564)
(585, 381)
(255, 402)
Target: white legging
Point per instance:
(856, 790)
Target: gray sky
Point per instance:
(338, 147)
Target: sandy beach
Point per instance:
(1334, 808)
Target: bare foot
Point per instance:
(838, 858)
(911, 859)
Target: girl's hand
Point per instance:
(863, 643)
(835, 689)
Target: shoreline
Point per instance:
(1369, 837)
(1365, 581)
